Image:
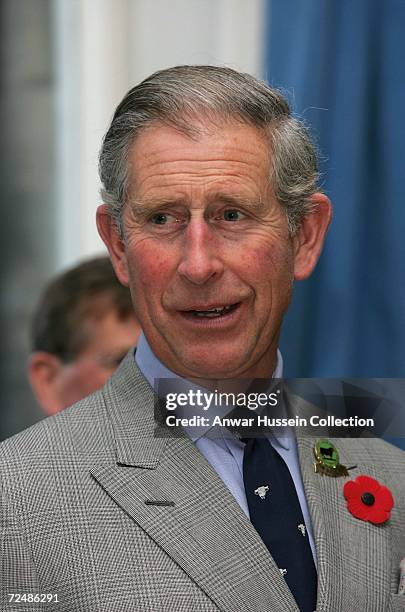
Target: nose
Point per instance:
(200, 259)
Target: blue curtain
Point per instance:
(341, 63)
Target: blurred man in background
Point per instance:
(83, 327)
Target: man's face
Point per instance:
(108, 339)
(204, 231)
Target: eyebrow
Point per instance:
(235, 200)
(150, 204)
(145, 207)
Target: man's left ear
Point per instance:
(309, 239)
(107, 228)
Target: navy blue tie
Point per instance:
(276, 514)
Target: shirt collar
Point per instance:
(152, 368)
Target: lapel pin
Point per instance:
(262, 491)
(327, 460)
(368, 500)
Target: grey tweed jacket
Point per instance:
(74, 520)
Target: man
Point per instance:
(211, 211)
(82, 329)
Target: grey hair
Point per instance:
(185, 95)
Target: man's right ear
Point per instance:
(107, 228)
(43, 373)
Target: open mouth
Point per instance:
(212, 313)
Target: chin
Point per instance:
(214, 366)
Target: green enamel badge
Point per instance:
(327, 459)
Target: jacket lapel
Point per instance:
(196, 520)
(353, 556)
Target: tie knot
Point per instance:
(249, 442)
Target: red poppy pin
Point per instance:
(368, 500)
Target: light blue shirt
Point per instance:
(224, 453)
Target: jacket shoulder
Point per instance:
(74, 431)
(377, 449)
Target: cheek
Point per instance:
(80, 380)
(151, 266)
(266, 262)
(269, 270)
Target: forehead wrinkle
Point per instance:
(183, 178)
(190, 169)
(242, 170)
(222, 186)
(235, 154)
(198, 168)
(158, 142)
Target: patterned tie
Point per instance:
(275, 513)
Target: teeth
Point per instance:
(213, 312)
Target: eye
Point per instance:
(163, 219)
(233, 215)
